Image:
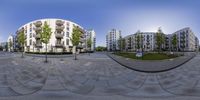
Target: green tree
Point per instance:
(159, 39)
(148, 42)
(123, 44)
(174, 41)
(21, 40)
(45, 35)
(76, 34)
(89, 44)
(100, 48)
(141, 42)
(138, 39)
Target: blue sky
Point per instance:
(103, 15)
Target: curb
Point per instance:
(157, 71)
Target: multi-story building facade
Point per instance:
(185, 39)
(11, 42)
(168, 42)
(91, 35)
(140, 41)
(146, 41)
(112, 40)
(60, 39)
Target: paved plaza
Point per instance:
(94, 77)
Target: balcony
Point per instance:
(59, 22)
(80, 47)
(21, 30)
(82, 40)
(58, 45)
(38, 45)
(59, 35)
(82, 36)
(37, 36)
(60, 28)
(38, 29)
(38, 23)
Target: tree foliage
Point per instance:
(174, 41)
(76, 34)
(122, 43)
(89, 43)
(100, 48)
(159, 39)
(21, 38)
(45, 34)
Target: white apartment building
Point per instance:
(140, 41)
(11, 43)
(60, 40)
(146, 41)
(91, 35)
(112, 40)
(188, 36)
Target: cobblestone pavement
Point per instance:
(93, 77)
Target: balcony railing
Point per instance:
(58, 44)
(82, 36)
(59, 35)
(37, 29)
(38, 23)
(82, 40)
(59, 22)
(39, 45)
(60, 28)
(37, 36)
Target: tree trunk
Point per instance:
(22, 53)
(89, 52)
(46, 54)
(75, 58)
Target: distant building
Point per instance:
(11, 43)
(112, 40)
(91, 35)
(140, 41)
(185, 39)
(146, 41)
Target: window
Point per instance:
(30, 42)
(30, 35)
(67, 28)
(67, 42)
(67, 34)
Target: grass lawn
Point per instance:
(148, 56)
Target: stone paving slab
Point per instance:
(95, 77)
